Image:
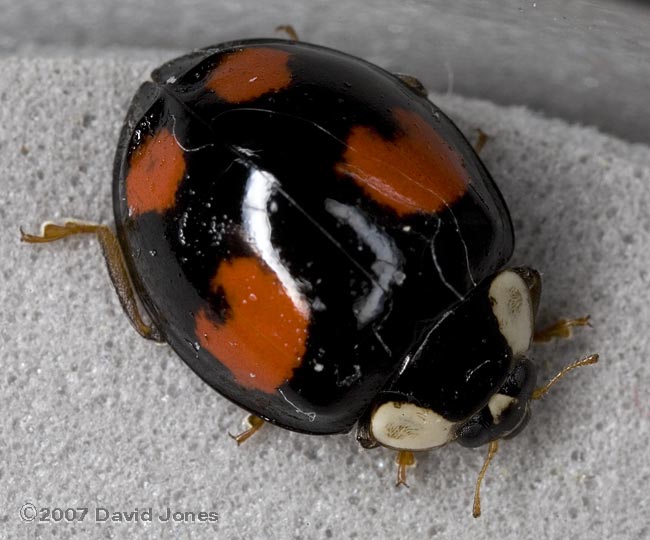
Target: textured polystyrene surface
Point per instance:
(94, 416)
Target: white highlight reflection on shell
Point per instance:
(259, 190)
(387, 265)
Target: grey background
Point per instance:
(583, 60)
(93, 416)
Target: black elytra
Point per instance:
(312, 236)
(323, 247)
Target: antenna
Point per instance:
(538, 393)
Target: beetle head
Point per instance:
(468, 379)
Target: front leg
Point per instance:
(51, 232)
(560, 329)
(414, 84)
(405, 460)
(253, 423)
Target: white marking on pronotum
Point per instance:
(310, 415)
(387, 263)
(405, 426)
(513, 310)
(257, 225)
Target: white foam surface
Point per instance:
(94, 416)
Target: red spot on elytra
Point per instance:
(264, 336)
(157, 168)
(250, 73)
(414, 172)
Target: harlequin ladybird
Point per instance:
(323, 247)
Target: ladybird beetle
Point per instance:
(323, 247)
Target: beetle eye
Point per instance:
(502, 418)
(507, 411)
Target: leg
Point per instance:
(405, 458)
(483, 138)
(114, 261)
(561, 329)
(289, 30)
(414, 83)
(254, 423)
